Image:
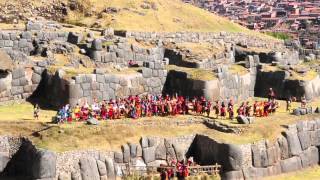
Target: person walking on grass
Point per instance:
(36, 111)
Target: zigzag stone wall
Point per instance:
(295, 149)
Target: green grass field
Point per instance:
(17, 119)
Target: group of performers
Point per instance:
(159, 105)
(135, 107)
(179, 169)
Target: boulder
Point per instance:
(102, 168)
(291, 164)
(89, 169)
(149, 154)
(242, 120)
(44, 165)
(293, 143)
(296, 112)
(92, 121)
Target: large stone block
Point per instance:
(89, 169)
(133, 150)
(102, 168)
(232, 157)
(232, 175)
(161, 153)
(118, 157)
(291, 164)
(305, 140)
(126, 153)
(36, 78)
(149, 154)
(18, 73)
(44, 165)
(97, 45)
(4, 159)
(293, 143)
(110, 168)
(284, 148)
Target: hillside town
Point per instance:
(299, 19)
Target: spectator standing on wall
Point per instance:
(36, 111)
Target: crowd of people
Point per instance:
(159, 105)
(135, 107)
(179, 169)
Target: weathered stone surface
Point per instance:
(97, 45)
(291, 164)
(144, 142)
(149, 154)
(102, 168)
(44, 165)
(64, 176)
(284, 148)
(293, 143)
(118, 157)
(139, 151)
(110, 168)
(233, 158)
(161, 153)
(133, 150)
(256, 156)
(305, 140)
(242, 120)
(3, 161)
(233, 175)
(180, 154)
(126, 153)
(89, 169)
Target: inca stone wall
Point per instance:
(19, 84)
(96, 165)
(235, 38)
(121, 52)
(103, 86)
(285, 87)
(227, 85)
(295, 149)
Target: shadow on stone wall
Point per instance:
(52, 92)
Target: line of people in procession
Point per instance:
(159, 105)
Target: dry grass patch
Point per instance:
(204, 50)
(17, 119)
(238, 69)
(308, 174)
(194, 73)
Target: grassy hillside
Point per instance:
(151, 15)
